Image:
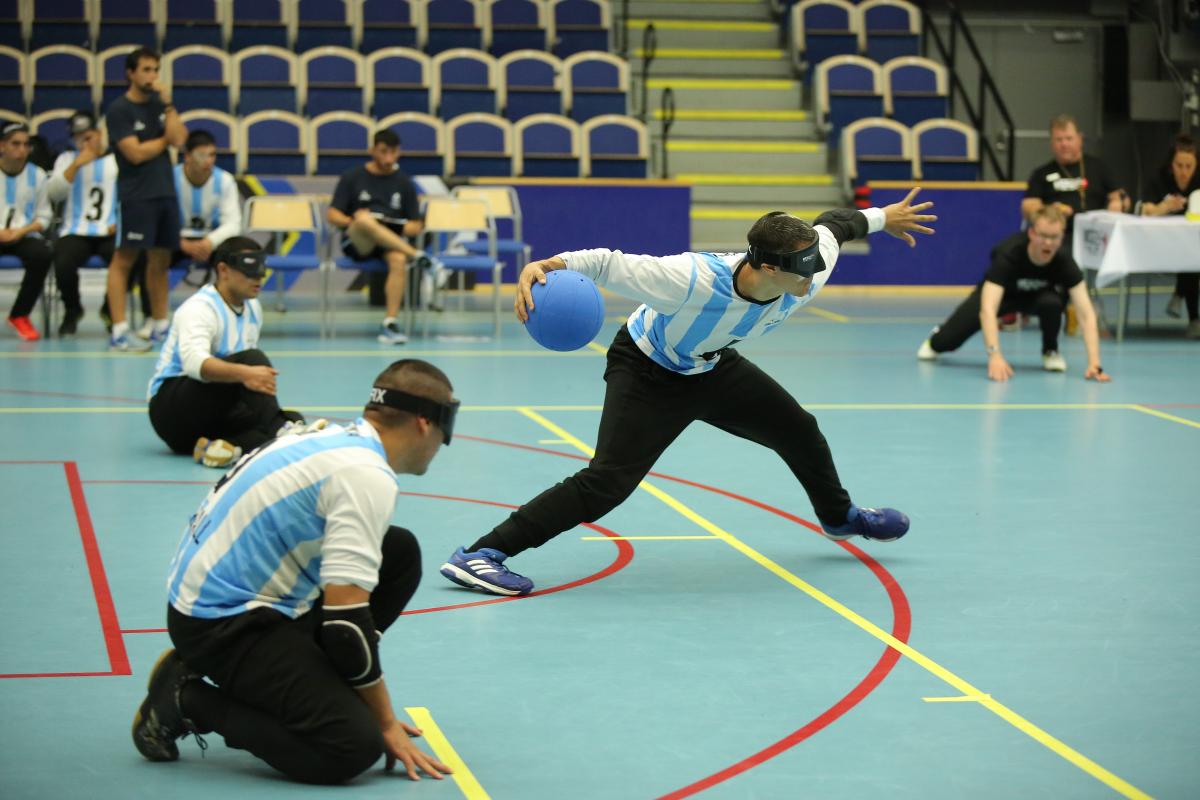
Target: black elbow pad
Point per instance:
(349, 638)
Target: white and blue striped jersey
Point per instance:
(24, 200)
(90, 207)
(690, 309)
(301, 512)
(211, 211)
(205, 327)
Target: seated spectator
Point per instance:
(1071, 181)
(85, 181)
(1168, 194)
(25, 211)
(1029, 273)
(376, 205)
(213, 391)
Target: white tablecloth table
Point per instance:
(1118, 245)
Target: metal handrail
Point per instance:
(649, 50)
(987, 86)
(622, 33)
(668, 119)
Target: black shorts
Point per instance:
(148, 224)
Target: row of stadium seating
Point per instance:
(471, 145)
(881, 149)
(327, 79)
(879, 29)
(908, 89)
(498, 26)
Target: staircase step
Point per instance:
(754, 157)
(733, 123)
(746, 10)
(798, 189)
(692, 33)
(718, 93)
(692, 62)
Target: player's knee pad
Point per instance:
(349, 638)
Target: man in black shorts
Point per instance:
(376, 205)
(142, 123)
(1030, 274)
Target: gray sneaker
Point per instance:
(1052, 361)
(128, 342)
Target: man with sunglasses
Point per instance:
(1030, 273)
(673, 363)
(284, 579)
(213, 392)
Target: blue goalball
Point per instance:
(568, 311)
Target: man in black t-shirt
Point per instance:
(1071, 181)
(1031, 274)
(142, 123)
(376, 205)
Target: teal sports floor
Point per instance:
(1033, 636)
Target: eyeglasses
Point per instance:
(1049, 238)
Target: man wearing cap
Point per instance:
(85, 181)
(24, 214)
(674, 363)
(143, 124)
(213, 392)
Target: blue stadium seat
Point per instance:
(60, 22)
(945, 150)
(392, 23)
(63, 78)
(452, 24)
(224, 129)
(110, 70)
(529, 83)
(340, 141)
(273, 143)
(422, 142)
(398, 79)
(258, 23)
(12, 80)
(324, 23)
(55, 127)
(12, 33)
(194, 22)
(547, 147)
(876, 149)
(480, 145)
(200, 77)
(464, 82)
(615, 147)
(333, 80)
(595, 84)
(889, 29)
(518, 25)
(125, 22)
(821, 29)
(915, 89)
(846, 88)
(580, 25)
(266, 78)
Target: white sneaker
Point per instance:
(300, 426)
(390, 333)
(1053, 362)
(926, 352)
(128, 342)
(215, 452)
(147, 330)
(1175, 306)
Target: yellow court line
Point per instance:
(599, 348)
(962, 699)
(1171, 417)
(1008, 715)
(643, 538)
(831, 315)
(553, 441)
(446, 753)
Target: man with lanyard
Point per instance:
(85, 180)
(213, 390)
(673, 363)
(24, 214)
(1072, 181)
(142, 123)
(282, 584)
(1030, 273)
(376, 205)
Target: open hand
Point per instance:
(999, 370)
(903, 218)
(399, 747)
(1096, 374)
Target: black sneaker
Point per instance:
(159, 720)
(70, 322)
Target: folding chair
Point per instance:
(503, 204)
(283, 215)
(446, 216)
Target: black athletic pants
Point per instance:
(1187, 286)
(1048, 305)
(71, 253)
(646, 407)
(35, 256)
(276, 694)
(184, 409)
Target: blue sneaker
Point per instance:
(880, 525)
(158, 338)
(128, 342)
(485, 571)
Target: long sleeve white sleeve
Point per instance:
(42, 212)
(198, 325)
(357, 503)
(58, 187)
(229, 215)
(663, 284)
